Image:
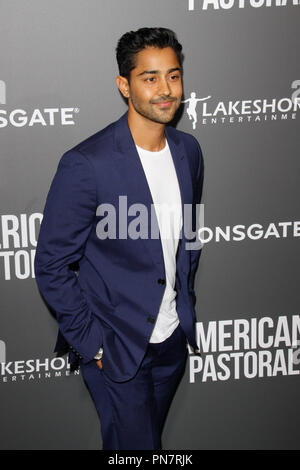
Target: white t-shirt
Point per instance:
(162, 180)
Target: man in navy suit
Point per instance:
(127, 315)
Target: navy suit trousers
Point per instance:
(132, 413)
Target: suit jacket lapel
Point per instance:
(184, 177)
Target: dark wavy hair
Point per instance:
(135, 41)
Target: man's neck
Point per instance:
(147, 134)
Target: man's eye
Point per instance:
(150, 79)
(175, 77)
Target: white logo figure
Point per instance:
(2, 92)
(2, 351)
(191, 110)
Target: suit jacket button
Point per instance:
(161, 281)
(150, 320)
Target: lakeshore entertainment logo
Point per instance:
(19, 235)
(49, 116)
(194, 5)
(251, 348)
(33, 369)
(258, 110)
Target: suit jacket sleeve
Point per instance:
(68, 219)
(195, 253)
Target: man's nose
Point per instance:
(164, 87)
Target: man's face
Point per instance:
(155, 88)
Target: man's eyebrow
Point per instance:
(157, 71)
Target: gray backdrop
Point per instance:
(57, 87)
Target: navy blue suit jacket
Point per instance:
(114, 298)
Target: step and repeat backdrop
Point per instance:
(242, 102)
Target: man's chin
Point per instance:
(164, 119)
(161, 118)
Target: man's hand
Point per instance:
(99, 363)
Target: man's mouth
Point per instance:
(164, 104)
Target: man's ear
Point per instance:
(123, 85)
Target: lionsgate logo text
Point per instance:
(48, 116)
(2, 351)
(2, 92)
